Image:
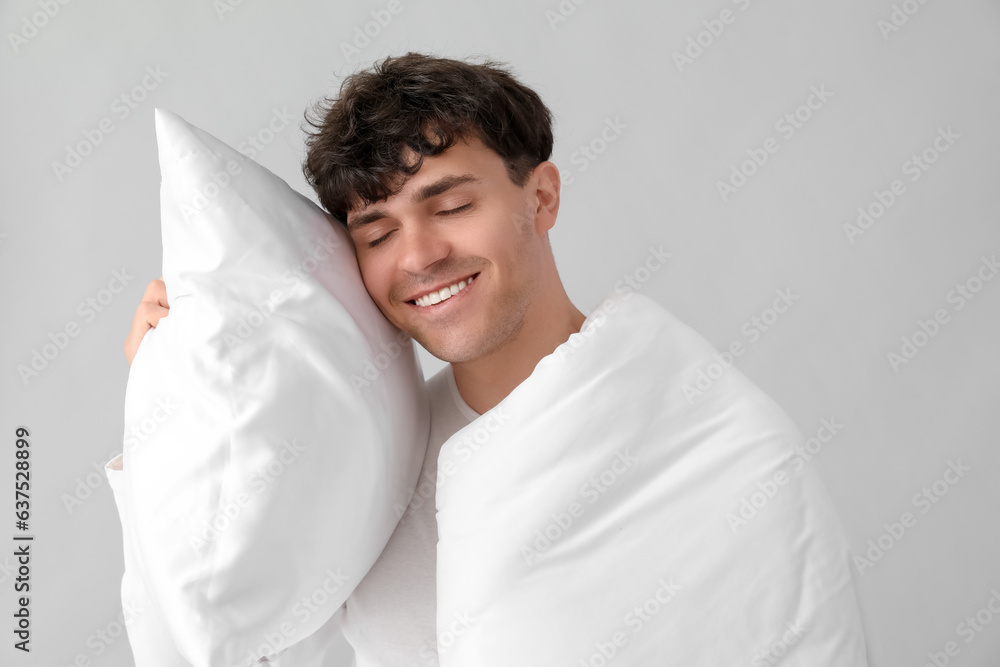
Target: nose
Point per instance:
(420, 247)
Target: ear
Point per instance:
(545, 178)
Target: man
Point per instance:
(446, 213)
(440, 170)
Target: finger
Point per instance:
(156, 293)
(155, 314)
(146, 318)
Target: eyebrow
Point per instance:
(421, 195)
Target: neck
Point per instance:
(486, 381)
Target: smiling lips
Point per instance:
(444, 293)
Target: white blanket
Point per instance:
(611, 511)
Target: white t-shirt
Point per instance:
(390, 618)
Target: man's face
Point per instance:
(459, 225)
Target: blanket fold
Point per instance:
(599, 515)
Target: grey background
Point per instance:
(227, 68)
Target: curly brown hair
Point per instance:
(426, 104)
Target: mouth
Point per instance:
(433, 300)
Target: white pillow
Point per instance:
(275, 421)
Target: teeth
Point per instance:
(443, 294)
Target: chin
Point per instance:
(464, 345)
(450, 352)
(458, 346)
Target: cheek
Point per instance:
(501, 238)
(373, 276)
(513, 246)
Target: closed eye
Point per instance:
(451, 211)
(374, 243)
(454, 210)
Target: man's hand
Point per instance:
(152, 307)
